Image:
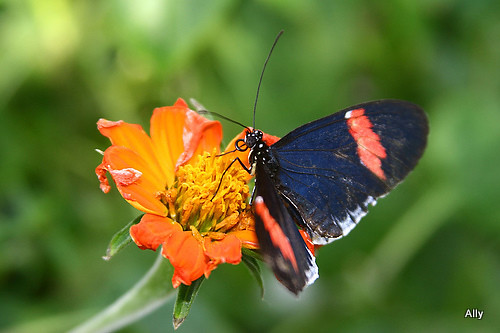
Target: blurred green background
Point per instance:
(419, 260)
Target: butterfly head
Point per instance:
(253, 138)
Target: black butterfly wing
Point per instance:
(280, 242)
(331, 169)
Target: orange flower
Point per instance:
(172, 176)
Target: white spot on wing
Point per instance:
(348, 114)
(347, 224)
(320, 240)
(312, 272)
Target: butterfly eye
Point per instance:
(240, 145)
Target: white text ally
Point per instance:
(474, 313)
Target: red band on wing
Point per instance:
(307, 240)
(370, 150)
(279, 239)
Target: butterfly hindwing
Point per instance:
(331, 169)
(281, 244)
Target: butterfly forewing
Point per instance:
(331, 169)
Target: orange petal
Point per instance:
(133, 137)
(186, 256)
(153, 230)
(242, 155)
(248, 238)
(269, 139)
(199, 135)
(135, 179)
(100, 171)
(226, 250)
(167, 125)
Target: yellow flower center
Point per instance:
(203, 201)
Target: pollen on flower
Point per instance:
(207, 202)
(227, 223)
(168, 198)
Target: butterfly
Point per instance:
(320, 179)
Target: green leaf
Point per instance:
(250, 259)
(185, 298)
(152, 291)
(121, 239)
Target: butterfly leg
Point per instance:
(247, 169)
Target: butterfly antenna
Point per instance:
(262, 73)
(201, 110)
(222, 117)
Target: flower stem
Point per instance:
(152, 291)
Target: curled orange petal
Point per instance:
(248, 238)
(134, 177)
(100, 171)
(227, 250)
(199, 135)
(133, 137)
(186, 255)
(153, 230)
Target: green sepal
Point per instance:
(250, 259)
(185, 298)
(121, 239)
(251, 253)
